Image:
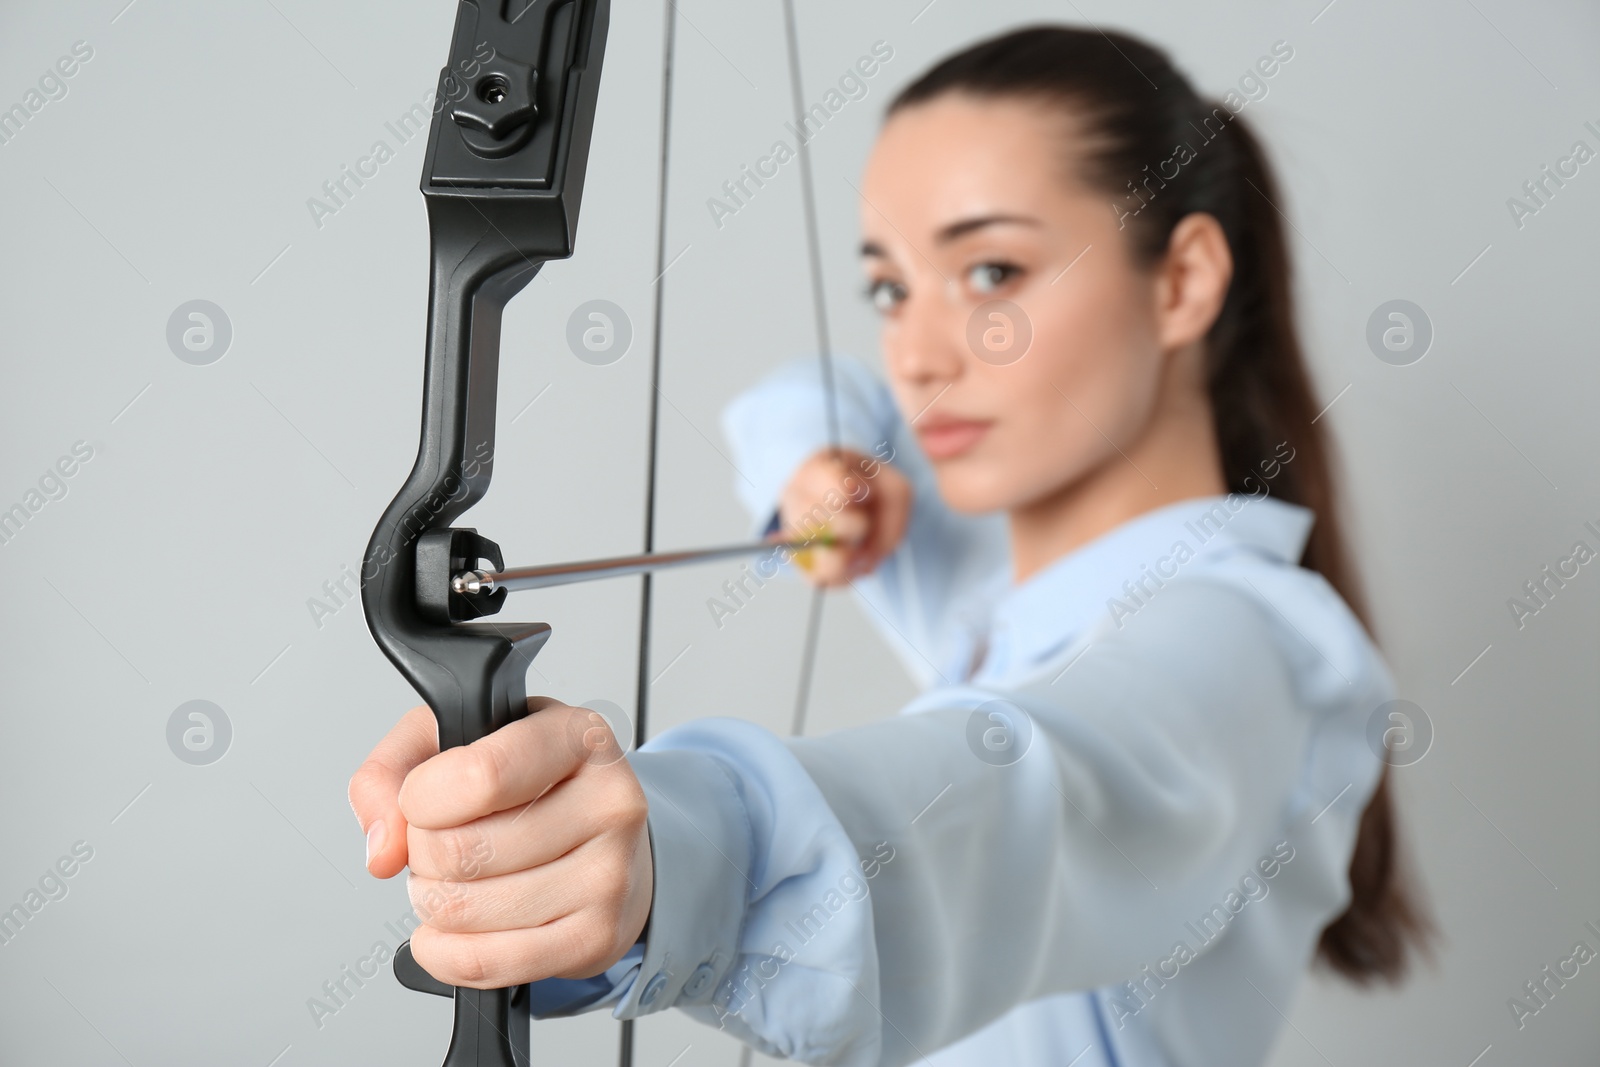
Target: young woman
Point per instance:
(1093, 511)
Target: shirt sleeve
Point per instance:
(914, 598)
(874, 894)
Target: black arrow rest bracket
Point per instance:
(503, 179)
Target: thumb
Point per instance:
(375, 789)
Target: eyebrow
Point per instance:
(959, 229)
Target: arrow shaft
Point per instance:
(522, 578)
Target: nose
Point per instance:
(926, 346)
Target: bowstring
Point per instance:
(808, 656)
(646, 588)
(819, 308)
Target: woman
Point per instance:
(1097, 517)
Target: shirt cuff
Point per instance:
(701, 848)
(556, 997)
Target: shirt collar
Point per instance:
(1033, 621)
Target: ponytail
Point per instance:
(1260, 392)
(1261, 395)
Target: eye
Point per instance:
(988, 277)
(884, 294)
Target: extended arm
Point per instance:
(900, 891)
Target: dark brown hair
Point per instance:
(1134, 109)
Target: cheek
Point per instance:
(1087, 387)
(1104, 356)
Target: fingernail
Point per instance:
(376, 833)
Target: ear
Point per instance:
(1191, 281)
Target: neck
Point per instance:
(1176, 458)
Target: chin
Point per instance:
(974, 489)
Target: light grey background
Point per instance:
(220, 498)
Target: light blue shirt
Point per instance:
(1109, 832)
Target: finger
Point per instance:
(818, 498)
(510, 767)
(565, 948)
(375, 789)
(830, 556)
(847, 528)
(524, 898)
(822, 472)
(527, 835)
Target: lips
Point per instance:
(946, 438)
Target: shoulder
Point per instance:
(1244, 622)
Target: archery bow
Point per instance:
(502, 182)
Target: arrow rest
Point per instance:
(441, 555)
